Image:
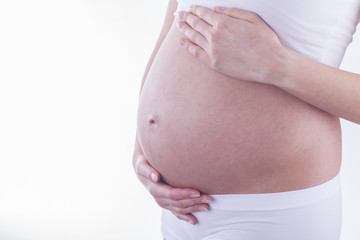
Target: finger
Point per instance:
(162, 190)
(196, 23)
(190, 209)
(185, 206)
(192, 35)
(188, 218)
(195, 50)
(204, 200)
(143, 168)
(177, 194)
(238, 13)
(149, 185)
(205, 14)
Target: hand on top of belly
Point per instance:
(235, 42)
(180, 201)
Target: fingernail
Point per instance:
(194, 195)
(220, 9)
(202, 208)
(154, 177)
(182, 15)
(192, 222)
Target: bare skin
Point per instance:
(203, 130)
(257, 54)
(181, 201)
(237, 137)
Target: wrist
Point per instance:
(281, 67)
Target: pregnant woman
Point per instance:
(238, 118)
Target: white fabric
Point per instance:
(307, 214)
(320, 29)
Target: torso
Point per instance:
(204, 130)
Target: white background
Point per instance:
(70, 73)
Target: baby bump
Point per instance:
(204, 130)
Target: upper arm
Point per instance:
(169, 18)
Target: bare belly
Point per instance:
(204, 130)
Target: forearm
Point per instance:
(330, 89)
(258, 55)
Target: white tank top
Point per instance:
(318, 29)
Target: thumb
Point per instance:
(237, 13)
(144, 169)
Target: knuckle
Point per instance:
(196, 9)
(205, 15)
(194, 208)
(168, 195)
(214, 36)
(216, 63)
(141, 158)
(138, 164)
(231, 11)
(186, 31)
(192, 36)
(252, 17)
(177, 204)
(196, 39)
(221, 23)
(196, 22)
(171, 195)
(249, 17)
(195, 52)
(141, 167)
(181, 211)
(187, 210)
